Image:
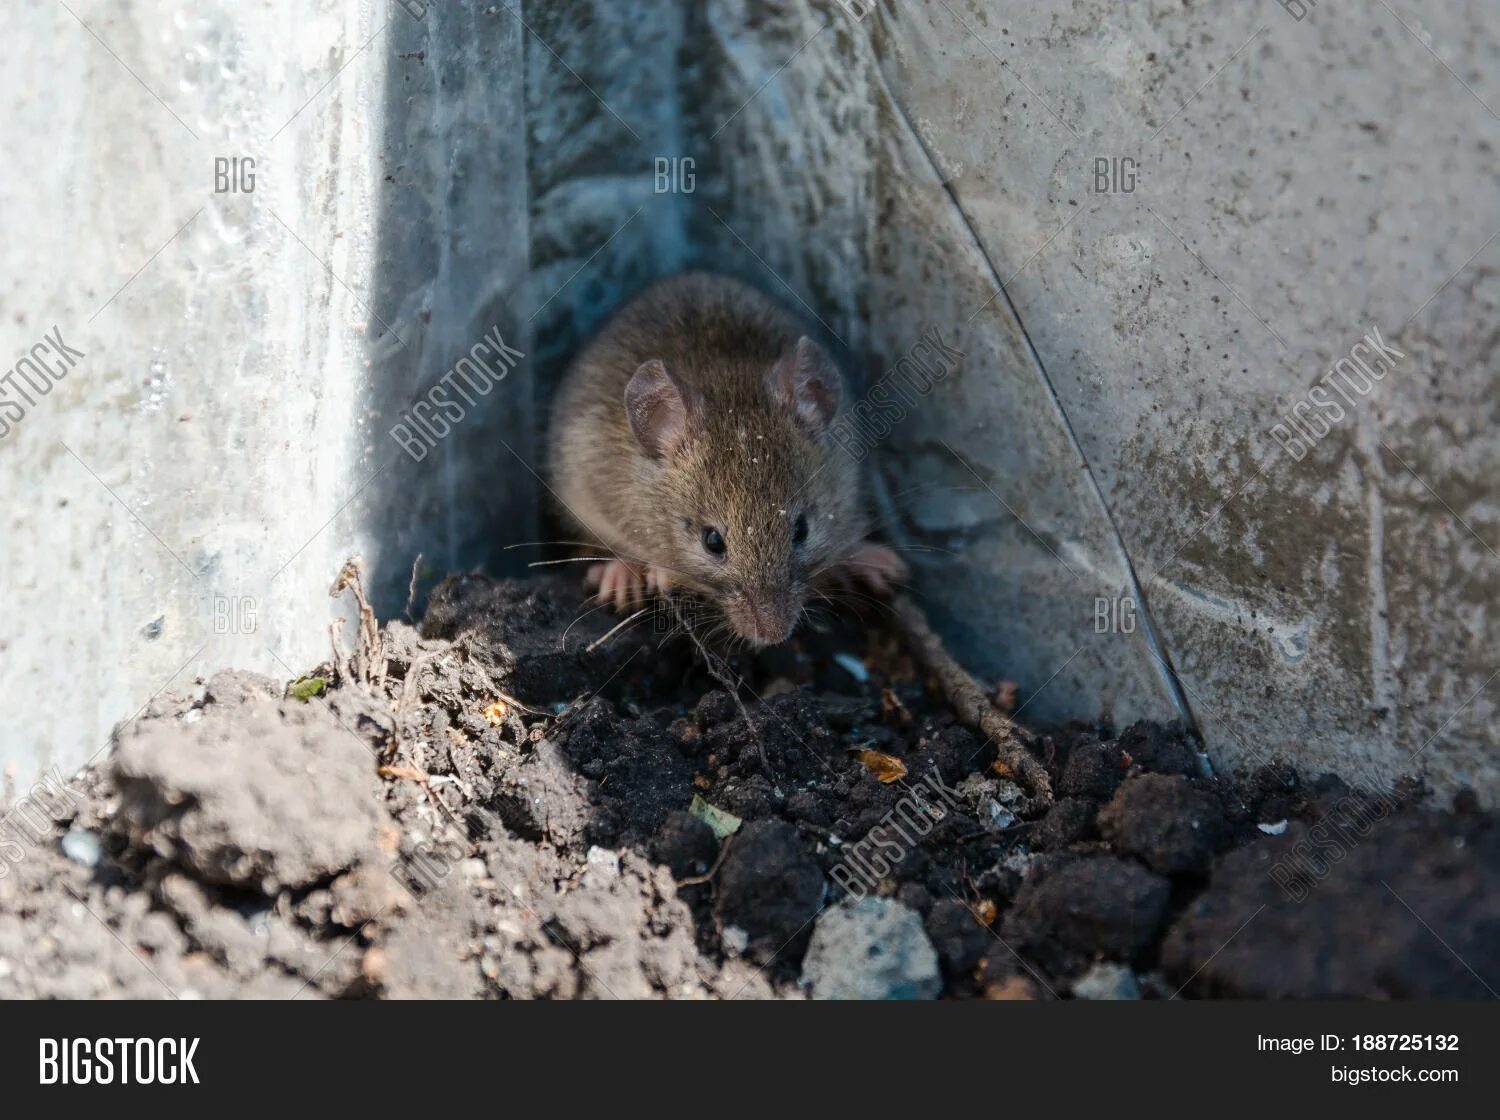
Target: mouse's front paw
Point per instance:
(625, 585)
(873, 567)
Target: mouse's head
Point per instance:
(758, 501)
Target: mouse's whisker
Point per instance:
(850, 597)
(597, 642)
(545, 544)
(568, 560)
(929, 489)
(592, 610)
(920, 548)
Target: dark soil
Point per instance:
(402, 834)
(1144, 859)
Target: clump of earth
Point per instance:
(498, 804)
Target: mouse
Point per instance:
(689, 443)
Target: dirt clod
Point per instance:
(771, 888)
(1162, 820)
(1097, 904)
(685, 844)
(1408, 910)
(1093, 770)
(227, 795)
(1068, 822)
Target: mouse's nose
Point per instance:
(770, 615)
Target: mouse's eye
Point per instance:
(713, 541)
(799, 529)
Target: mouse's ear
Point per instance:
(660, 408)
(807, 384)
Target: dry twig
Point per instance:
(970, 701)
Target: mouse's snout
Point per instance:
(764, 616)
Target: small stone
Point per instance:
(81, 846)
(736, 941)
(853, 666)
(989, 798)
(1107, 981)
(603, 862)
(872, 949)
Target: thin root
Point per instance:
(695, 880)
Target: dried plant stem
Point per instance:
(368, 660)
(970, 700)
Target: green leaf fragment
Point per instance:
(721, 823)
(305, 688)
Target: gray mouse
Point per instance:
(689, 441)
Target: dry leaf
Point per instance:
(1015, 987)
(887, 767)
(497, 712)
(986, 912)
(890, 705)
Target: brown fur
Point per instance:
(746, 467)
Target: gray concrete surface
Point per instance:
(1101, 510)
(182, 498)
(1299, 183)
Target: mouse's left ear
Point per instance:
(807, 384)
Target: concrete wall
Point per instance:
(1298, 185)
(201, 440)
(1098, 507)
(180, 500)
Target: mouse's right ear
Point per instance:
(660, 408)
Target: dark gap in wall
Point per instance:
(452, 255)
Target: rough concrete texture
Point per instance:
(1095, 483)
(192, 484)
(1334, 606)
(450, 274)
(1298, 185)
